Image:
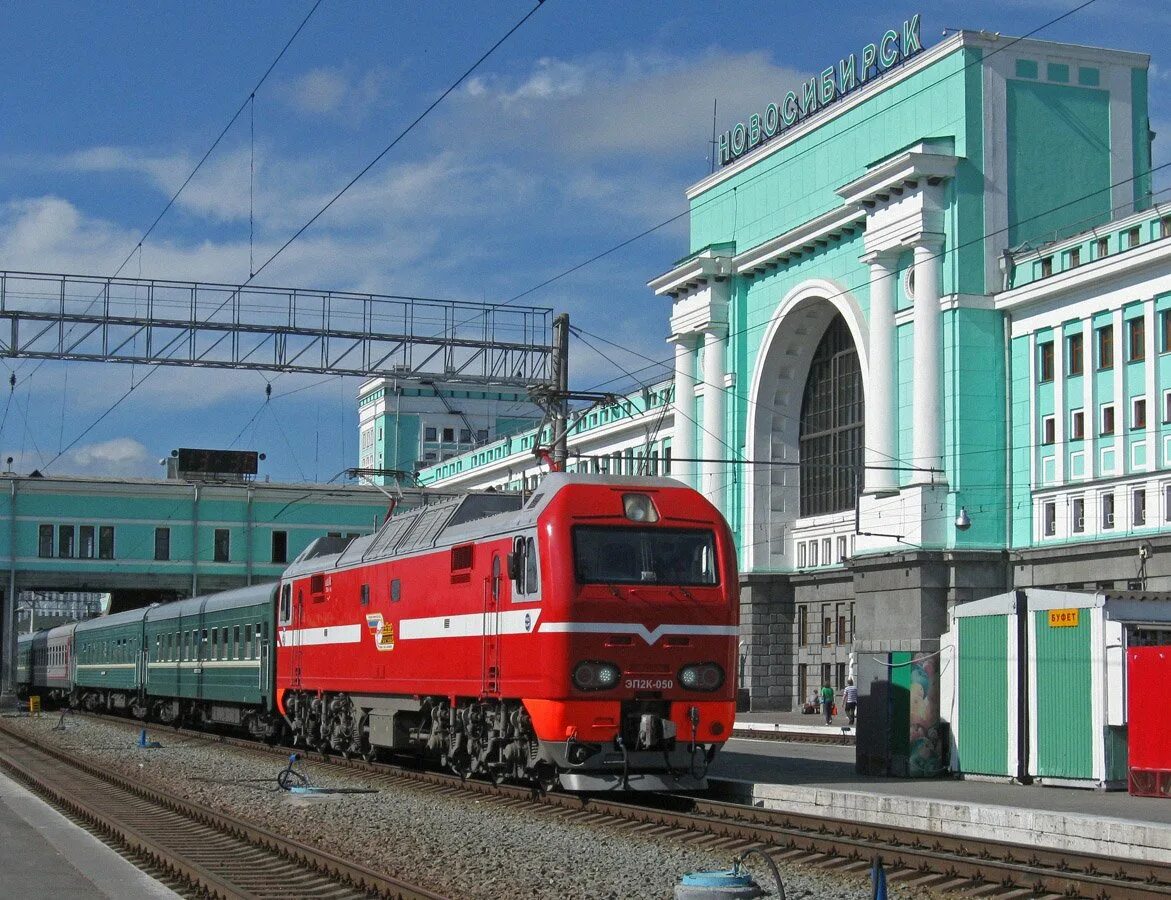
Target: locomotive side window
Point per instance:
(522, 566)
(396, 589)
(365, 595)
(496, 579)
(286, 603)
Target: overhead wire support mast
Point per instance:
(80, 317)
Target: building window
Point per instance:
(1074, 353)
(106, 542)
(827, 551)
(1075, 257)
(1046, 266)
(842, 554)
(1107, 419)
(481, 435)
(1078, 515)
(465, 435)
(65, 541)
(1165, 227)
(1136, 345)
(827, 630)
(802, 560)
(1130, 237)
(802, 625)
(1138, 507)
(448, 435)
(1047, 429)
(1106, 347)
(841, 672)
(1107, 511)
(831, 427)
(45, 541)
(1077, 425)
(222, 549)
(1046, 364)
(430, 434)
(1101, 248)
(1138, 412)
(1167, 503)
(841, 629)
(85, 542)
(813, 553)
(802, 682)
(280, 546)
(1166, 407)
(1049, 517)
(162, 544)
(1165, 331)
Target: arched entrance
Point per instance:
(818, 319)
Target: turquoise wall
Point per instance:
(1047, 201)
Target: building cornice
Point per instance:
(899, 174)
(1094, 272)
(804, 238)
(692, 273)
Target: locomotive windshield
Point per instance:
(607, 555)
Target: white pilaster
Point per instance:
(712, 471)
(683, 433)
(881, 435)
(927, 401)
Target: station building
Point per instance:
(922, 343)
(406, 427)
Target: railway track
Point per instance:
(926, 860)
(217, 854)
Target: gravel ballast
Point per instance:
(457, 845)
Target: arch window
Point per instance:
(832, 422)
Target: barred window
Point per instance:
(832, 418)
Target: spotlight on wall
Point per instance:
(963, 520)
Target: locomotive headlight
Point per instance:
(591, 675)
(639, 508)
(702, 677)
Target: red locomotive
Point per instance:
(588, 637)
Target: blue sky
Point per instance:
(584, 129)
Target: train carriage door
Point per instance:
(493, 589)
(201, 650)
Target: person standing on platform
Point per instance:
(850, 698)
(827, 702)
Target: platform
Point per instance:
(820, 779)
(43, 854)
(803, 726)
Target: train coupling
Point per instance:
(655, 732)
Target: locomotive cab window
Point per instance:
(608, 555)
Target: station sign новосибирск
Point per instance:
(821, 90)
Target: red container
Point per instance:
(1149, 721)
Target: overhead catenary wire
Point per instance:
(317, 215)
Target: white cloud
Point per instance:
(336, 93)
(117, 457)
(650, 105)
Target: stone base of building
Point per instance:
(798, 624)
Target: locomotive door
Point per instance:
(493, 586)
(295, 632)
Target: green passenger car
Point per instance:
(24, 667)
(210, 660)
(109, 664)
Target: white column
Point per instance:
(927, 401)
(881, 435)
(683, 433)
(712, 483)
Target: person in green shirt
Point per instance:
(827, 702)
